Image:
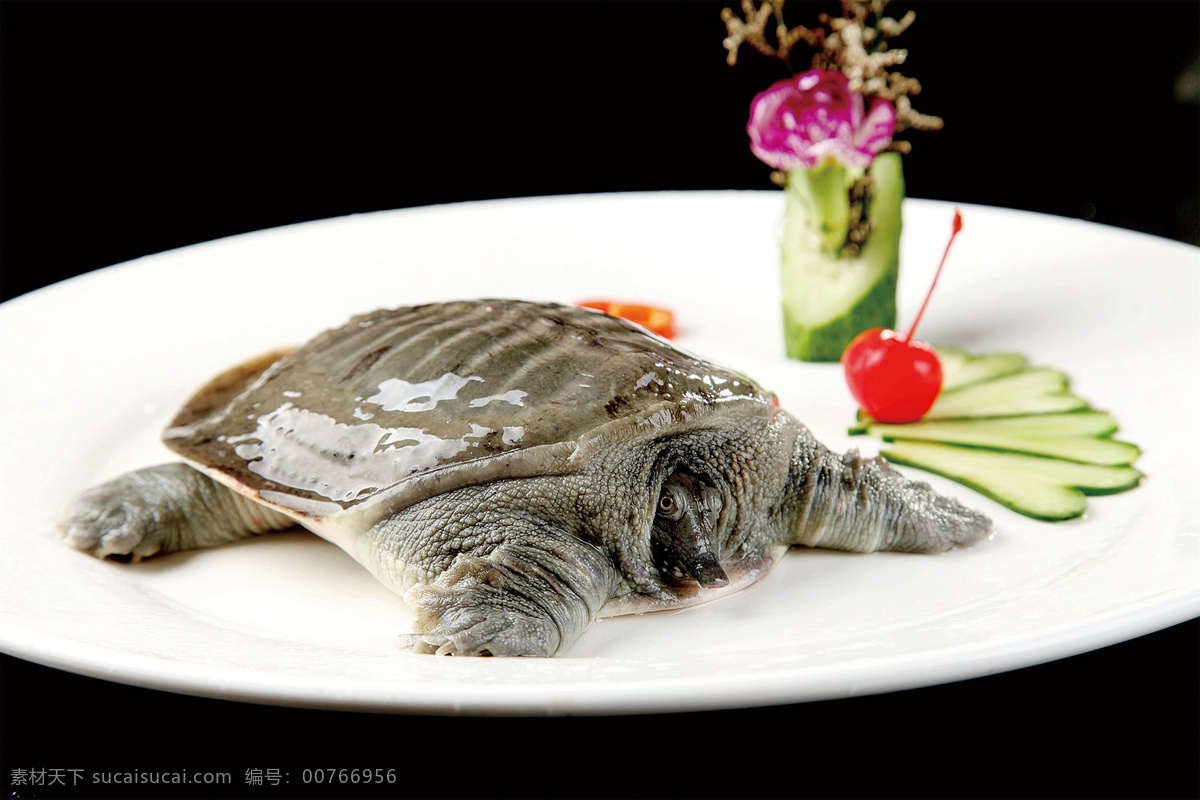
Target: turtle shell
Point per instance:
(409, 402)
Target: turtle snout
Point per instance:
(681, 539)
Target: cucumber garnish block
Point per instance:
(831, 291)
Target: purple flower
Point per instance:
(804, 120)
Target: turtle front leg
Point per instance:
(519, 600)
(486, 577)
(162, 509)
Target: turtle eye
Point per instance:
(667, 505)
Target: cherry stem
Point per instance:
(953, 233)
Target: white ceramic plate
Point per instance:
(93, 368)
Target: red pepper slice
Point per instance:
(657, 320)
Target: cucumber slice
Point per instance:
(830, 296)
(1081, 436)
(962, 369)
(1075, 423)
(1047, 489)
(1039, 390)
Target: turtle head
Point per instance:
(682, 536)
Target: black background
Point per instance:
(129, 129)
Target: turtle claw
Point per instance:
(414, 643)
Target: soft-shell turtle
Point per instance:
(514, 470)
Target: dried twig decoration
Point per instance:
(855, 44)
(751, 29)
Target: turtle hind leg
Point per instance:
(160, 510)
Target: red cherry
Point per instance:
(895, 380)
(894, 377)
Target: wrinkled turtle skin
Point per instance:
(514, 470)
